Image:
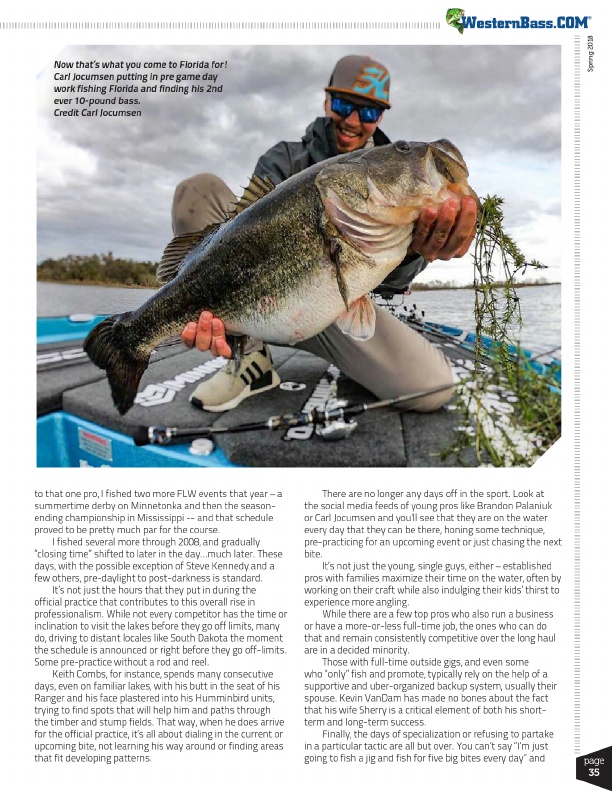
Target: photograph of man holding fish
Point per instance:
(326, 220)
(377, 237)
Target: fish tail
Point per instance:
(107, 347)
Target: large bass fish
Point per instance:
(291, 259)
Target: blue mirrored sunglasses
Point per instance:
(367, 115)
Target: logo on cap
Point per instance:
(373, 81)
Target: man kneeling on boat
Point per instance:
(396, 360)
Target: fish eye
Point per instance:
(402, 146)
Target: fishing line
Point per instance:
(319, 416)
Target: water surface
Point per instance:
(540, 307)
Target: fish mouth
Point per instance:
(427, 157)
(448, 160)
(448, 148)
(448, 171)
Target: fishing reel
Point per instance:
(330, 422)
(333, 424)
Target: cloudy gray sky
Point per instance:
(106, 184)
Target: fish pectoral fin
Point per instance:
(360, 320)
(335, 252)
(176, 250)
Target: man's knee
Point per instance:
(200, 201)
(431, 402)
(436, 382)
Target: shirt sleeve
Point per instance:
(402, 276)
(276, 163)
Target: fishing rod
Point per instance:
(412, 320)
(330, 421)
(63, 358)
(424, 327)
(60, 358)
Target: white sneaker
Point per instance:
(227, 388)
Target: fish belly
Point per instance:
(312, 307)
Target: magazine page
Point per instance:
(314, 491)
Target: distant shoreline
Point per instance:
(414, 288)
(103, 284)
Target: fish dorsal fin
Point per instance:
(180, 246)
(258, 187)
(177, 249)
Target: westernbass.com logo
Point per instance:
(457, 19)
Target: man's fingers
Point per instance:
(422, 229)
(207, 334)
(219, 346)
(189, 334)
(439, 229)
(449, 234)
(203, 338)
(442, 229)
(465, 246)
(462, 233)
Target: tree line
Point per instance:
(113, 271)
(98, 269)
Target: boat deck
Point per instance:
(383, 438)
(79, 425)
